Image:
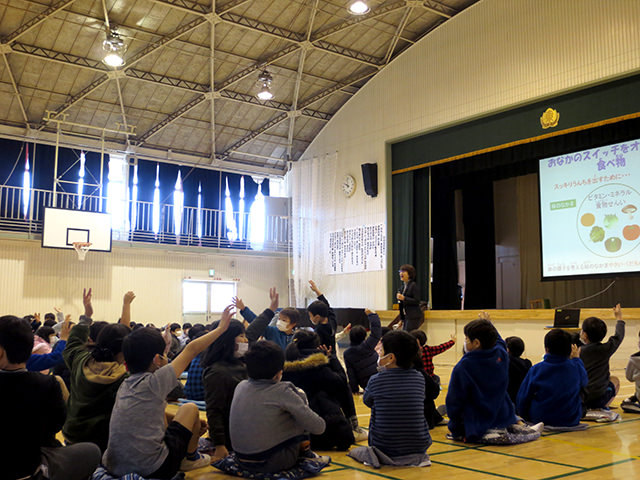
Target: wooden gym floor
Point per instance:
(604, 451)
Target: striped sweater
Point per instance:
(396, 399)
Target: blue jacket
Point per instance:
(259, 327)
(45, 361)
(550, 392)
(477, 399)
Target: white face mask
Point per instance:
(282, 325)
(464, 347)
(241, 349)
(382, 368)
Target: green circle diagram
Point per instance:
(603, 216)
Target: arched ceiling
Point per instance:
(317, 52)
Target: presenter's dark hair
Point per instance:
(410, 269)
(595, 329)
(515, 345)
(263, 360)
(402, 345)
(16, 338)
(484, 331)
(558, 342)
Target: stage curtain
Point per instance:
(480, 250)
(403, 224)
(443, 229)
(560, 292)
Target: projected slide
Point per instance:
(590, 224)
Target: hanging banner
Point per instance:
(358, 249)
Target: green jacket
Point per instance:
(93, 390)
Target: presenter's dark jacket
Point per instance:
(410, 312)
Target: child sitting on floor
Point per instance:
(139, 439)
(396, 398)
(34, 412)
(632, 372)
(551, 390)
(518, 367)
(478, 405)
(427, 352)
(361, 358)
(270, 420)
(602, 387)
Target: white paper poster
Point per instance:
(358, 249)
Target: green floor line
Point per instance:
(529, 458)
(476, 470)
(334, 470)
(594, 425)
(370, 472)
(589, 469)
(463, 449)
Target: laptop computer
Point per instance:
(566, 318)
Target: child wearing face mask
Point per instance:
(282, 333)
(397, 430)
(223, 369)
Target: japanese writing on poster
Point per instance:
(358, 249)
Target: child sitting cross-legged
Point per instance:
(478, 405)
(34, 412)
(632, 372)
(140, 441)
(270, 420)
(398, 430)
(551, 390)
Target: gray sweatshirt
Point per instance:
(632, 371)
(595, 357)
(265, 413)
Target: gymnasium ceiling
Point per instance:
(318, 54)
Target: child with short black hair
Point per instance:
(30, 429)
(518, 367)
(361, 359)
(551, 390)
(632, 372)
(427, 352)
(602, 387)
(323, 318)
(478, 406)
(139, 440)
(397, 429)
(270, 419)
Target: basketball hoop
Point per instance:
(82, 248)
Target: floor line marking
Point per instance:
(531, 459)
(371, 472)
(589, 469)
(476, 470)
(597, 449)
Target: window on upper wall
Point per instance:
(117, 204)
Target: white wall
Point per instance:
(36, 279)
(492, 56)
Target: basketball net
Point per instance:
(82, 248)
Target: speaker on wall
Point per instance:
(370, 178)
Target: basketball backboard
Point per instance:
(63, 227)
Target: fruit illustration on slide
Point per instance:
(605, 220)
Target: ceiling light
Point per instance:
(114, 48)
(358, 7)
(264, 79)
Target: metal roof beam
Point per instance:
(15, 89)
(348, 53)
(60, 57)
(186, 6)
(256, 133)
(37, 20)
(396, 36)
(245, 72)
(355, 20)
(331, 90)
(170, 119)
(261, 27)
(230, 6)
(439, 8)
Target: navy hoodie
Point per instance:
(477, 399)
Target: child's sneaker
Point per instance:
(187, 465)
(314, 456)
(630, 406)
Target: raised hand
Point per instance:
(66, 328)
(57, 309)
(484, 316)
(238, 303)
(166, 335)
(324, 349)
(617, 311)
(314, 288)
(575, 351)
(227, 315)
(274, 297)
(86, 301)
(454, 337)
(128, 297)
